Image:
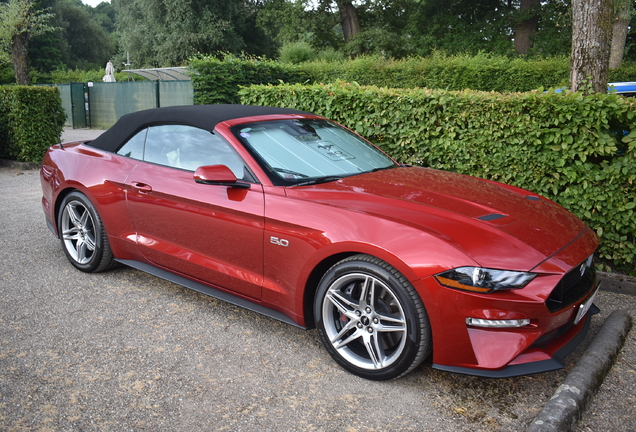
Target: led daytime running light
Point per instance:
(479, 322)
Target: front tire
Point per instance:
(370, 319)
(82, 235)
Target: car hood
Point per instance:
(496, 225)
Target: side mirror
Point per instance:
(218, 175)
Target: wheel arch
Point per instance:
(58, 206)
(60, 198)
(312, 284)
(316, 274)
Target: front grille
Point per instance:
(573, 286)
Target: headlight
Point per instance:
(483, 280)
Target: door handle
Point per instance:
(141, 187)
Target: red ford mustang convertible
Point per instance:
(293, 216)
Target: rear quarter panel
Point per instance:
(101, 177)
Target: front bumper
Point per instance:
(559, 318)
(555, 362)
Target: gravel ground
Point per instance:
(123, 350)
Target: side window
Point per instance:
(188, 148)
(134, 148)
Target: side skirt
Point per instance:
(212, 292)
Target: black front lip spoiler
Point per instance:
(555, 363)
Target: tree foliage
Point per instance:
(168, 32)
(19, 21)
(82, 37)
(402, 28)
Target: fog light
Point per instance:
(478, 322)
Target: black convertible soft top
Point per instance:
(201, 116)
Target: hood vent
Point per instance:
(491, 217)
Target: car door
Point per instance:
(212, 233)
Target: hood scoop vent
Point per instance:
(491, 217)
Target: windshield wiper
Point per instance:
(382, 168)
(317, 180)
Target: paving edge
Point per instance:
(566, 406)
(617, 283)
(6, 163)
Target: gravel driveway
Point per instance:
(123, 350)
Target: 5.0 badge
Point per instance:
(279, 241)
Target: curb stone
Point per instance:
(617, 283)
(566, 406)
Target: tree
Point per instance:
(461, 26)
(81, 40)
(399, 28)
(19, 21)
(554, 30)
(592, 22)
(104, 14)
(286, 22)
(89, 45)
(527, 26)
(168, 32)
(348, 19)
(623, 14)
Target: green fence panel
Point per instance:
(78, 105)
(73, 97)
(173, 93)
(109, 101)
(67, 104)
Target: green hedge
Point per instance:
(577, 150)
(218, 81)
(31, 120)
(481, 72)
(68, 76)
(625, 73)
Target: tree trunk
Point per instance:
(623, 9)
(526, 28)
(19, 51)
(592, 23)
(349, 19)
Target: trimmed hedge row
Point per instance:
(578, 150)
(481, 72)
(217, 81)
(31, 120)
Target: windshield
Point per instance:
(306, 151)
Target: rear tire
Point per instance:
(370, 319)
(82, 234)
